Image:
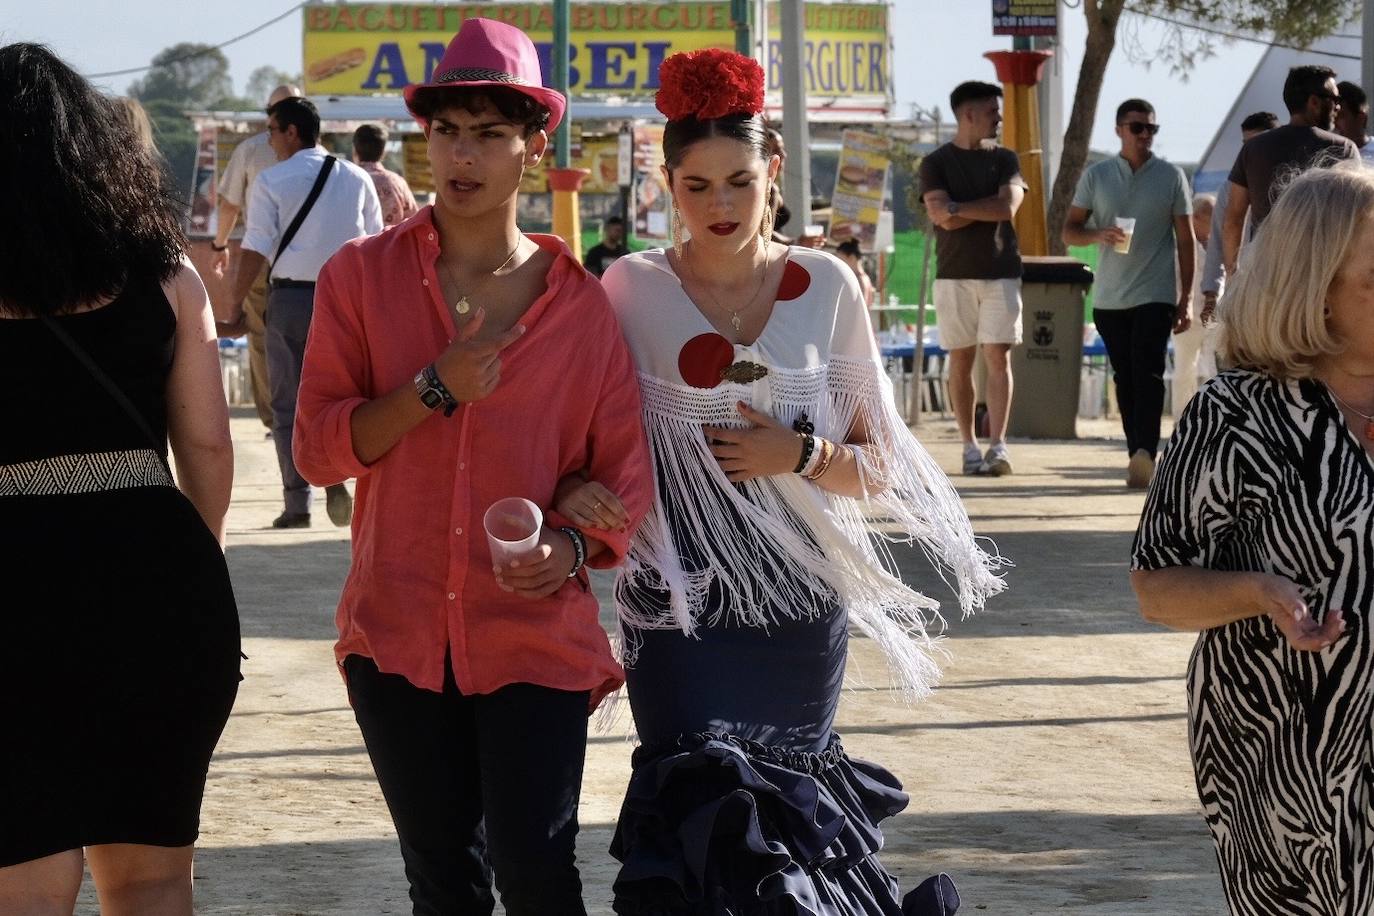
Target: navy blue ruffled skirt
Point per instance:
(742, 801)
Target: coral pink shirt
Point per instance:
(420, 584)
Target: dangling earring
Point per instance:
(766, 227)
(677, 232)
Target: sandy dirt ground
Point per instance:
(1048, 774)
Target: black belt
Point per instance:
(293, 284)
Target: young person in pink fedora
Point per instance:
(455, 361)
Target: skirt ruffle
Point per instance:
(717, 825)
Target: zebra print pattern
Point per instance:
(1264, 475)
(93, 472)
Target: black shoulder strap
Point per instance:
(304, 211)
(110, 386)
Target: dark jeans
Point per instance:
(1137, 341)
(289, 310)
(477, 783)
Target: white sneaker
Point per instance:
(973, 460)
(997, 461)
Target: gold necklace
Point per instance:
(1368, 418)
(463, 306)
(734, 313)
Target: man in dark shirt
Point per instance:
(1307, 140)
(612, 246)
(972, 188)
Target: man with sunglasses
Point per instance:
(1138, 296)
(1308, 139)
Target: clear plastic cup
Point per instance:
(512, 526)
(1127, 225)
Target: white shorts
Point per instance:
(974, 312)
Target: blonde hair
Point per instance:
(138, 120)
(1273, 314)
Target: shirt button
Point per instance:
(431, 236)
(461, 465)
(451, 596)
(425, 282)
(457, 530)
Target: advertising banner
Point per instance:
(616, 48)
(203, 221)
(860, 183)
(1025, 18)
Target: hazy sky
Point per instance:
(938, 44)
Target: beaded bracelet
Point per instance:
(579, 541)
(808, 447)
(827, 451)
(815, 459)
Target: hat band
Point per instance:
(478, 75)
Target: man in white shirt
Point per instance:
(251, 157)
(346, 208)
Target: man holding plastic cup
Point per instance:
(1137, 208)
(455, 362)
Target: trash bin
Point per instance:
(1046, 367)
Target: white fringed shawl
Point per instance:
(799, 548)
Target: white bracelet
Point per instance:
(811, 463)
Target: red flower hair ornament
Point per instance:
(708, 84)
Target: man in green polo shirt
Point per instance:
(1137, 207)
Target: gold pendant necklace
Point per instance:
(734, 313)
(463, 306)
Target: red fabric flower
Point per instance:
(709, 84)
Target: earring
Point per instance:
(1326, 312)
(766, 227)
(677, 232)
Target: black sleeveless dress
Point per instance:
(119, 638)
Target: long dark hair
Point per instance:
(679, 135)
(87, 206)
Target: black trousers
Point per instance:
(476, 784)
(1137, 341)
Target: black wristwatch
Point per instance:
(952, 208)
(214, 247)
(432, 392)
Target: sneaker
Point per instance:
(292, 520)
(997, 462)
(338, 504)
(1140, 471)
(973, 460)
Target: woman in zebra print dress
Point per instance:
(1259, 532)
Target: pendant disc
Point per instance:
(463, 306)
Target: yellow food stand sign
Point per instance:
(616, 48)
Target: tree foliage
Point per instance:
(1292, 22)
(263, 80)
(192, 75)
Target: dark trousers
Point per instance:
(476, 784)
(288, 324)
(1137, 341)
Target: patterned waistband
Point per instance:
(94, 472)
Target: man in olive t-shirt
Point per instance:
(1265, 162)
(972, 189)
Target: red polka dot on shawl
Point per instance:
(702, 358)
(795, 281)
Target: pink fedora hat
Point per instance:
(490, 53)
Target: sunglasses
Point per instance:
(1327, 96)
(1140, 127)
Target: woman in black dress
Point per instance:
(120, 656)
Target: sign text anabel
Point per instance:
(616, 48)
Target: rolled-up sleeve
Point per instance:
(618, 450)
(333, 380)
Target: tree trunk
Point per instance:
(1102, 19)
